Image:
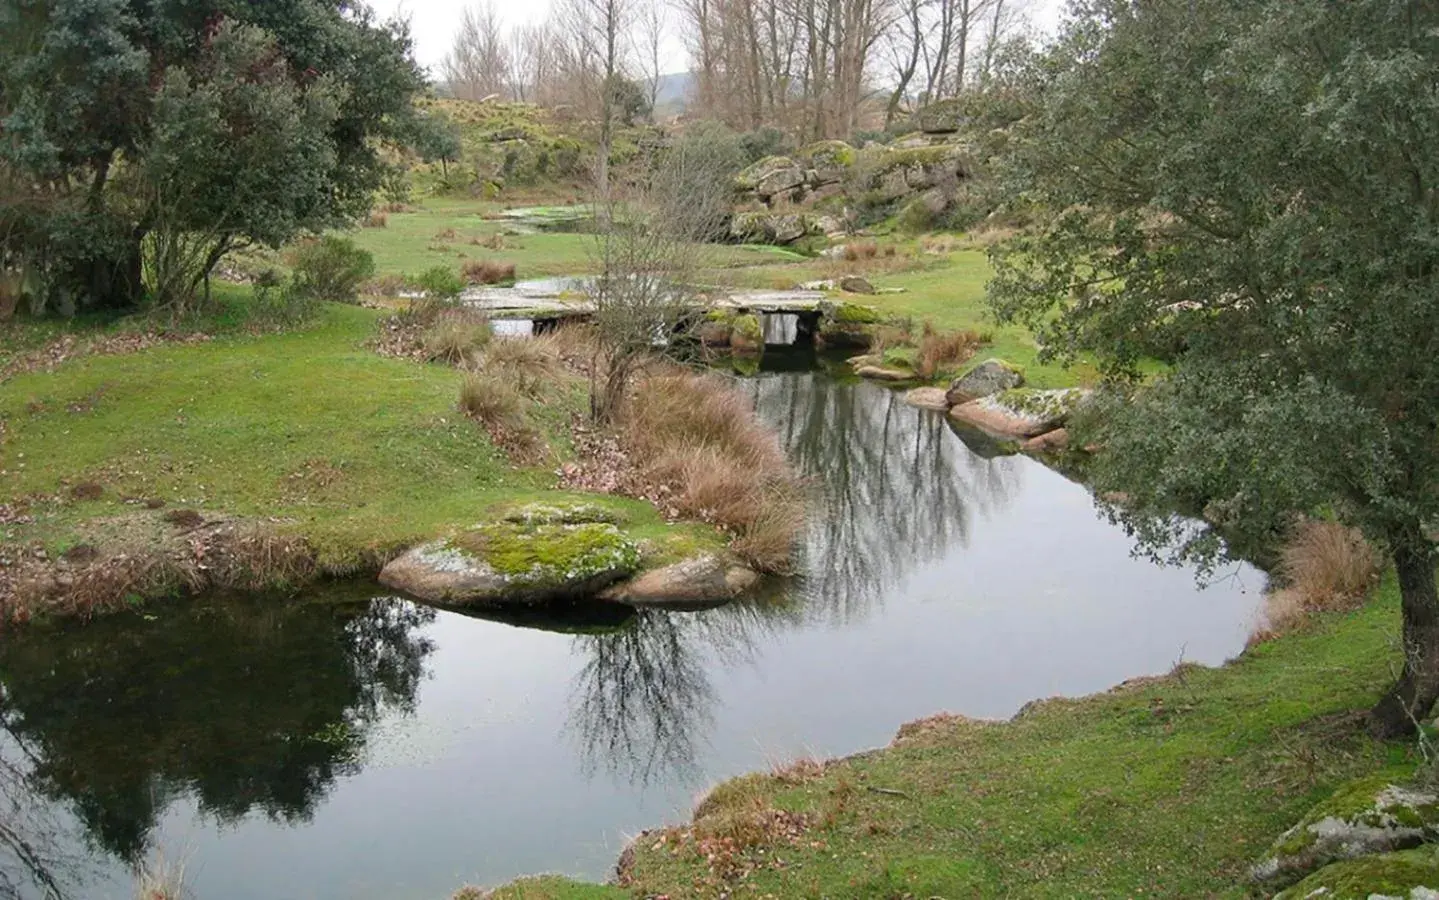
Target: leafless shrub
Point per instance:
(652, 240)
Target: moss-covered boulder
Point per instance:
(770, 176)
(699, 581)
(1377, 814)
(746, 334)
(826, 162)
(943, 117)
(521, 559)
(990, 377)
(1404, 875)
(1020, 412)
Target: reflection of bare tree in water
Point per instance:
(34, 861)
(899, 488)
(643, 703)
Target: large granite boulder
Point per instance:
(1020, 413)
(699, 581)
(1377, 814)
(989, 377)
(943, 117)
(771, 228)
(826, 162)
(1404, 875)
(515, 562)
(770, 176)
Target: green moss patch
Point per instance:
(1407, 874)
(856, 314)
(541, 556)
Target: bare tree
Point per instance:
(652, 21)
(596, 34)
(478, 64)
(652, 241)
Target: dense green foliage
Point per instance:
(142, 141)
(331, 268)
(1248, 191)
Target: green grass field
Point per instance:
(1168, 787)
(441, 231)
(356, 452)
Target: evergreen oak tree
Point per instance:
(140, 140)
(1246, 190)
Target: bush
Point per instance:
(331, 268)
(485, 272)
(440, 283)
(277, 302)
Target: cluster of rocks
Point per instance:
(542, 554)
(992, 398)
(1377, 837)
(785, 198)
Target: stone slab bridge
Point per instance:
(553, 301)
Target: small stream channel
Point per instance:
(348, 744)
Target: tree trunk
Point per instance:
(1414, 694)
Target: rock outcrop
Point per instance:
(990, 377)
(1405, 875)
(785, 198)
(532, 560)
(1020, 413)
(699, 581)
(1375, 815)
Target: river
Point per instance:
(347, 744)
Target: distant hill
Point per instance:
(673, 97)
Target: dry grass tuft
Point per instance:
(159, 879)
(858, 250)
(486, 272)
(700, 438)
(938, 351)
(527, 363)
(445, 236)
(455, 339)
(495, 403)
(377, 220)
(1326, 567)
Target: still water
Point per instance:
(352, 745)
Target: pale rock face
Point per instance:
(1369, 817)
(989, 377)
(1020, 413)
(699, 581)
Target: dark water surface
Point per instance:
(351, 745)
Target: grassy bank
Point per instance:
(310, 431)
(1165, 787)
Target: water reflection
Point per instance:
(246, 705)
(898, 489)
(38, 850)
(643, 702)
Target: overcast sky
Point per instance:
(434, 21)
